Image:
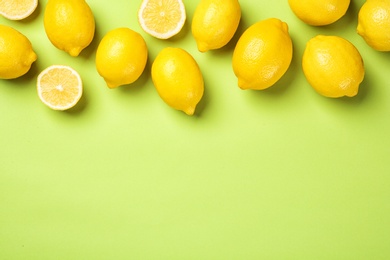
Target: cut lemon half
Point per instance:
(17, 9)
(162, 19)
(59, 87)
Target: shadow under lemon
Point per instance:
(28, 79)
(138, 85)
(90, 51)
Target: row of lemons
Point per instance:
(332, 65)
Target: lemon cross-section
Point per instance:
(162, 19)
(59, 87)
(17, 9)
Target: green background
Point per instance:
(277, 174)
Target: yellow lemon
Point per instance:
(178, 79)
(215, 22)
(59, 87)
(69, 25)
(16, 53)
(319, 13)
(121, 57)
(162, 19)
(333, 66)
(374, 24)
(17, 9)
(262, 54)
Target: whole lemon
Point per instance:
(16, 53)
(178, 79)
(374, 24)
(121, 57)
(318, 13)
(262, 54)
(215, 22)
(69, 25)
(333, 66)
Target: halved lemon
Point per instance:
(17, 9)
(162, 19)
(59, 87)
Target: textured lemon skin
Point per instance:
(121, 57)
(215, 22)
(16, 53)
(333, 66)
(262, 54)
(319, 13)
(69, 25)
(178, 79)
(374, 24)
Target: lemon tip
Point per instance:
(112, 85)
(202, 46)
(189, 110)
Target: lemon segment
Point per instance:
(121, 57)
(374, 24)
(16, 53)
(59, 87)
(178, 79)
(333, 66)
(215, 22)
(262, 54)
(69, 25)
(319, 13)
(162, 19)
(17, 9)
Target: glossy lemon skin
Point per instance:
(319, 12)
(215, 22)
(178, 79)
(16, 53)
(262, 54)
(69, 25)
(333, 66)
(374, 24)
(121, 57)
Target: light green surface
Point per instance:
(278, 174)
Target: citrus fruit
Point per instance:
(215, 22)
(319, 13)
(333, 66)
(178, 79)
(262, 54)
(16, 53)
(121, 57)
(162, 19)
(59, 87)
(374, 24)
(69, 25)
(17, 9)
